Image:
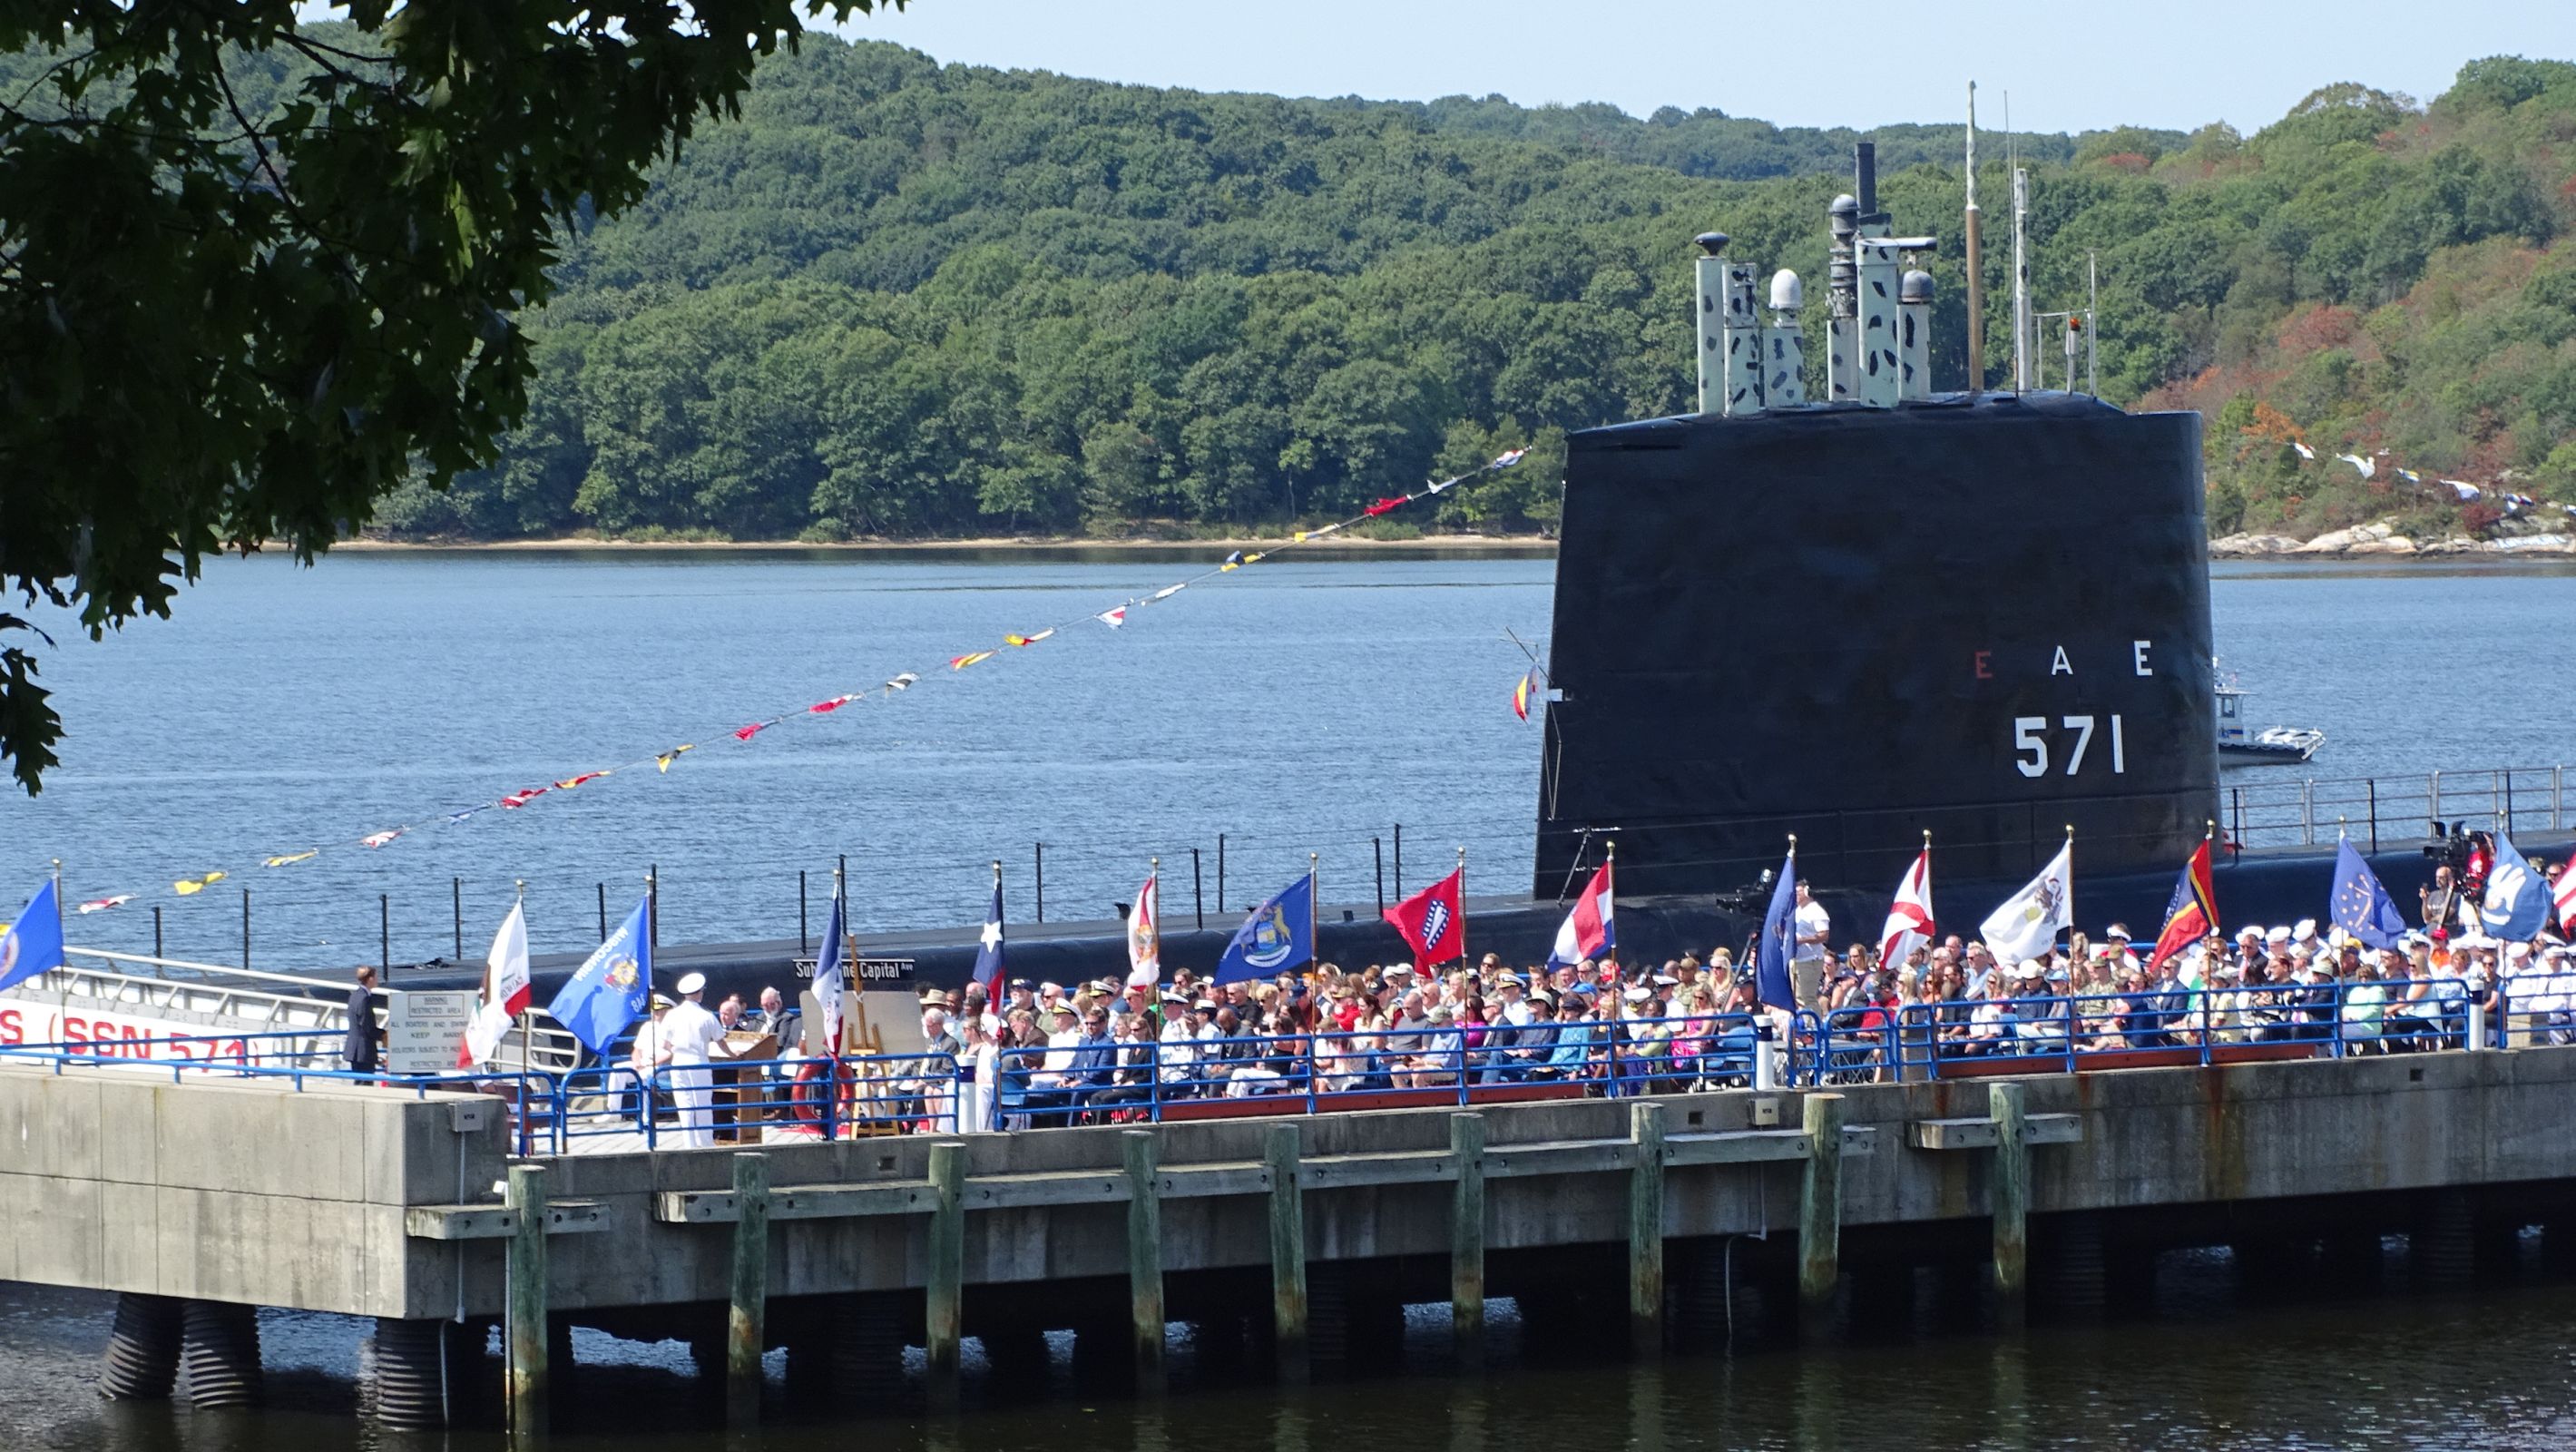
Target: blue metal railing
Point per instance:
(689, 1105)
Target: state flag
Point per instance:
(506, 991)
(34, 942)
(988, 957)
(1145, 935)
(1909, 918)
(1589, 931)
(612, 988)
(831, 975)
(2191, 914)
(1778, 942)
(1277, 936)
(2566, 897)
(2027, 924)
(1433, 921)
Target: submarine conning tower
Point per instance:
(1890, 611)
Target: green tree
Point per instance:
(254, 277)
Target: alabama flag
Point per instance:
(2566, 897)
(506, 991)
(1145, 936)
(1432, 921)
(1588, 931)
(1909, 918)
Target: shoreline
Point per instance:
(1515, 546)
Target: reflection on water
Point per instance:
(2202, 1370)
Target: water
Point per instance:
(1294, 707)
(2203, 1371)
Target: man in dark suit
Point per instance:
(361, 1050)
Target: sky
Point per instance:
(2069, 67)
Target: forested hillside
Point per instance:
(896, 299)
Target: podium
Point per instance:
(742, 1092)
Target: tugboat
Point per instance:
(2271, 746)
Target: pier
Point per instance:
(1765, 1217)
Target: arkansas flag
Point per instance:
(1145, 936)
(506, 991)
(1909, 918)
(1588, 931)
(2193, 912)
(1433, 922)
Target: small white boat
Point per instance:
(2271, 746)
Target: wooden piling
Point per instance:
(1467, 1236)
(1820, 1212)
(1646, 1229)
(1280, 1149)
(746, 1332)
(526, 1274)
(1145, 1260)
(943, 1315)
(2008, 1192)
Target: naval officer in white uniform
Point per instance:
(688, 1030)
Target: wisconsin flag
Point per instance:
(611, 989)
(1434, 921)
(1588, 931)
(506, 991)
(2030, 920)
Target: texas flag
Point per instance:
(1588, 931)
(1433, 921)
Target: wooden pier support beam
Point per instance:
(525, 1333)
(1280, 1151)
(943, 1313)
(746, 1329)
(1820, 1213)
(1646, 1230)
(2008, 1194)
(1145, 1260)
(1467, 1236)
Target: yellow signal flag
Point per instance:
(664, 760)
(191, 886)
(293, 857)
(959, 663)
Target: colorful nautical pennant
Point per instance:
(291, 859)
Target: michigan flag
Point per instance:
(1279, 935)
(610, 990)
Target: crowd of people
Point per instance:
(1109, 1051)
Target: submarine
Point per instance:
(1861, 623)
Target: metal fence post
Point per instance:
(245, 927)
(804, 936)
(2373, 784)
(384, 935)
(1399, 860)
(1198, 895)
(456, 896)
(2433, 796)
(2308, 811)
(1220, 874)
(1041, 881)
(1377, 851)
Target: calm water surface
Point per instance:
(1293, 707)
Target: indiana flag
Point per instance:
(1588, 931)
(1522, 693)
(1145, 936)
(2192, 914)
(1434, 921)
(1909, 919)
(506, 991)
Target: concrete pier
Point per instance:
(216, 1198)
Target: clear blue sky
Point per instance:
(2070, 67)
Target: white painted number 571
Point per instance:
(2030, 747)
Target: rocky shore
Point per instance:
(2380, 540)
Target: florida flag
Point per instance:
(1145, 936)
(506, 991)
(1909, 918)
(1433, 922)
(1588, 931)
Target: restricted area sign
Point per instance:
(423, 1029)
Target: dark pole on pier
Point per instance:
(802, 941)
(385, 935)
(653, 904)
(1198, 899)
(1399, 860)
(603, 912)
(156, 932)
(1377, 850)
(456, 892)
(1220, 873)
(1041, 856)
(245, 927)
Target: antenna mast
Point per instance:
(1976, 262)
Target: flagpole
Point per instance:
(1463, 960)
(1154, 890)
(1312, 891)
(832, 1012)
(1610, 884)
(520, 907)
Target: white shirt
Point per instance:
(688, 1029)
(1059, 1054)
(1814, 921)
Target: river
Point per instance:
(1293, 707)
